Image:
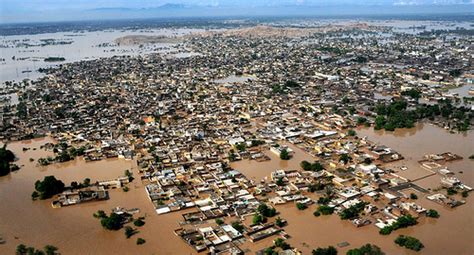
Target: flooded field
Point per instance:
(23, 54)
(73, 229)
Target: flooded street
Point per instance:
(257, 171)
(308, 232)
(73, 229)
(425, 139)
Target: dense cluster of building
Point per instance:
(186, 119)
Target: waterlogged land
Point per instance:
(23, 55)
(422, 140)
(73, 229)
(307, 231)
(184, 121)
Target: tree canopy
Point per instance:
(49, 187)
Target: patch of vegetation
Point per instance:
(330, 250)
(368, 249)
(351, 132)
(402, 222)
(238, 226)
(129, 232)
(345, 158)
(451, 191)
(353, 211)
(432, 213)
(279, 222)
(280, 243)
(141, 241)
(112, 222)
(413, 93)
(257, 219)
(284, 155)
(316, 166)
(266, 211)
(139, 222)
(47, 188)
(22, 249)
(6, 157)
(325, 210)
(396, 115)
(409, 242)
(280, 182)
(301, 206)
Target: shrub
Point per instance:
(139, 222)
(330, 250)
(409, 242)
(140, 241)
(301, 206)
(432, 213)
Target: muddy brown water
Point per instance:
(75, 231)
(452, 233)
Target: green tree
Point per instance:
(345, 158)
(50, 250)
(279, 222)
(301, 206)
(113, 222)
(266, 210)
(432, 213)
(21, 249)
(325, 209)
(284, 155)
(6, 157)
(368, 249)
(129, 232)
(330, 250)
(237, 226)
(138, 222)
(140, 241)
(49, 187)
(257, 219)
(280, 181)
(219, 221)
(409, 242)
(353, 211)
(280, 243)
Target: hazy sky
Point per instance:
(44, 10)
(43, 5)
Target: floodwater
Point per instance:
(452, 233)
(424, 139)
(462, 91)
(73, 229)
(23, 62)
(257, 171)
(235, 79)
